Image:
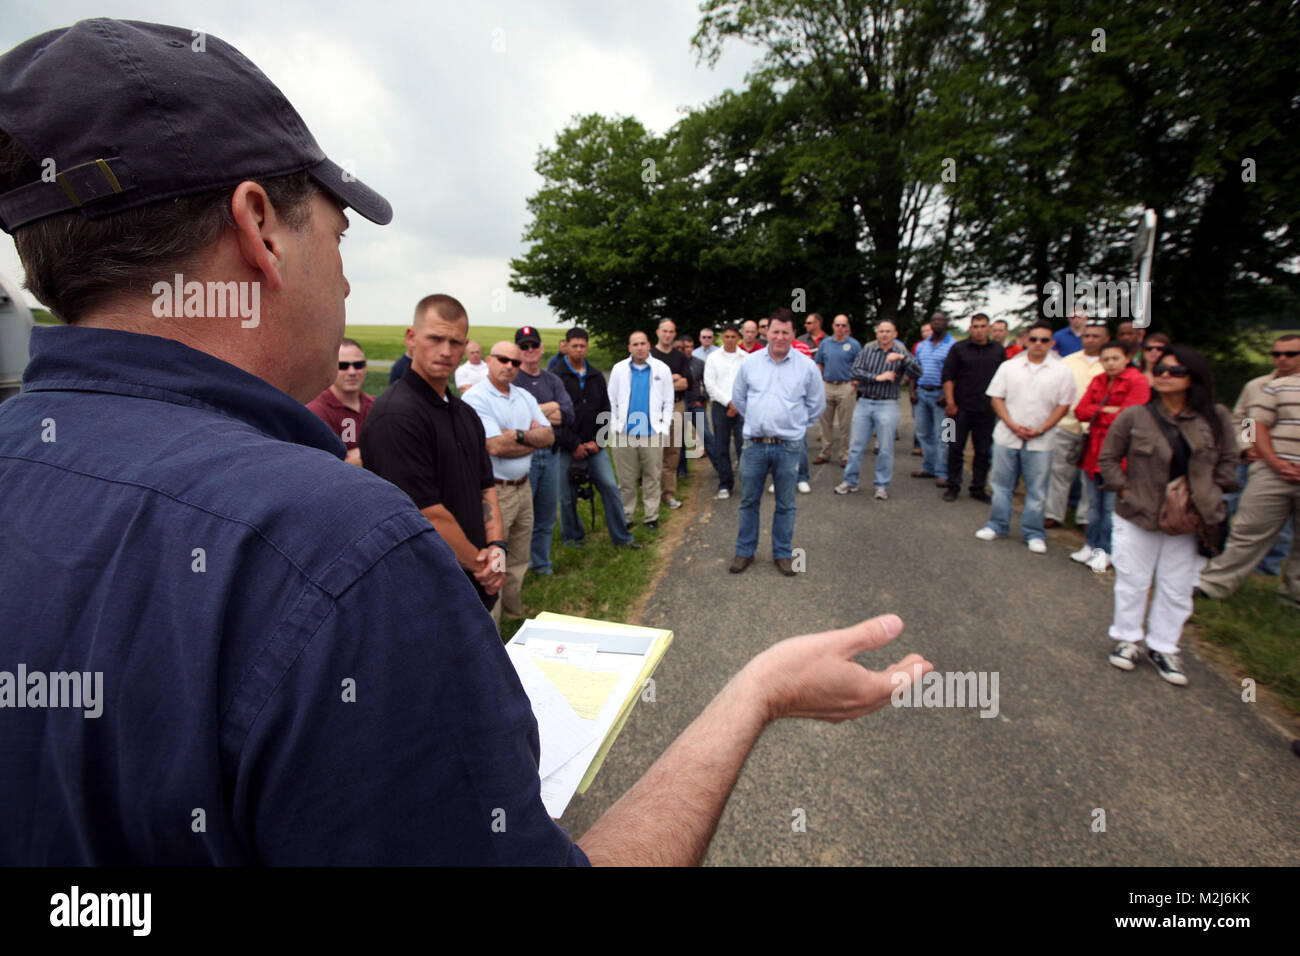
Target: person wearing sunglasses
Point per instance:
(344, 405)
(1265, 512)
(1179, 433)
(1149, 353)
(1030, 394)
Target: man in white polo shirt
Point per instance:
(515, 427)
(728, 423)
(474, 370)
(1030, 393)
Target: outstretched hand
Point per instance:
(815, 675)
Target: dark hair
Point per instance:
(996, 321)
(75, 265)
(781, 314)
(575, 333)
(354, 343)
(1200, 393)
(1113, 344)
(1041, 324)
(1286, 338)
(980, 315)
(730, 327)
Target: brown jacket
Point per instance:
(1136, 436)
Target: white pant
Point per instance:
(1137, 554)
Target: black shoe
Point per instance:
(631, 546)
(652, 525)
(739, 564)
(1169, 666)
(1197, 592)
(950, 494)
(981, 496)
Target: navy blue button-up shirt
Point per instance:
(292, 667)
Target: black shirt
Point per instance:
(678, 364)
(970, 368)
(399, 369)
(590, 401)
(434, 450)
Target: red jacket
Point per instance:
(1129, 388)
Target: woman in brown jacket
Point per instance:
(1137, 461)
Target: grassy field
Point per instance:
(1260, 634)
(385, 341)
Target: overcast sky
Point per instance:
(442, 107)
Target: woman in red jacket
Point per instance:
(1122, 385)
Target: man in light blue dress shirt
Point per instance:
(779, 392)
(929, 409)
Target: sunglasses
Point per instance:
(1177, 371)
(344, 366)
(528, 346)
(508, 361)
(1279, 354)
(1039, 340)
(1153, 348)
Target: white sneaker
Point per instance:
(771, 489)
(673, 503)
(1099, 561)
(1125, 655)
(805, 487)
(1038, 546)
(1082, 555)
(986, 534)
(723, 494)
(844, 488)
(882, 494)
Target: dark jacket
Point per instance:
(1135, 435)
(590, 401)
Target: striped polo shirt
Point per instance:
(1278, 409)
(871, 362)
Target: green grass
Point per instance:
(1260, 633)
(597, 580)
(385, 342)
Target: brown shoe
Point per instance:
(922, 474)
(1051, 523)
(783, 565)
(739, 564)
(917, 452)
(942, 482)
(820, 460)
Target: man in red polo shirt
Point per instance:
(343, 406)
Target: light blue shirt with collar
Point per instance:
(499, 412)
(778, 399)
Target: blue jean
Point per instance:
(930, 413)
(1272, 562)
(756, 460)
(602, 476)
(1009, 464)
(704, 419)
(544, 479)
(727, 432)
(1101, 509)
(805, 474)
(878, 416)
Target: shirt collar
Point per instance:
(69, 358)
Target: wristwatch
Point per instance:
(499, 544)
(519, 436)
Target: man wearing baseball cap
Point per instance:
(262, 633)
(544, 475)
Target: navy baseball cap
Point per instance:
(133, 113)
(528, 334)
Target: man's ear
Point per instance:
(261, 233)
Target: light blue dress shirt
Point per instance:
(778, 399)
(500, 413)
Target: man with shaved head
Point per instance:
(474, 370)
(640, 423)
(516, 427)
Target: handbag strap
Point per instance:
(1177, 443)
(1092, 421)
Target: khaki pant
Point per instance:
(643, 457)
(1265, 504)
(516, 503)
(841, 400)
(1058, 495)
(673, 450)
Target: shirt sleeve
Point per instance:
(998, 387)
(739, 388)
(951, 365)
(397, 449)
(483, 409)
(399, 733)
(1264, 408)
(562, 396)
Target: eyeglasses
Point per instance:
(1176, 371)
(1039, 340)
(1276, 353)
(529, 346)
(343, 366)
(507, 361)
(1096, 322)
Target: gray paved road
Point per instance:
(1186, 776)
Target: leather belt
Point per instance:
(931, 388)
(769, 441)
(512, 484)
(840, 382)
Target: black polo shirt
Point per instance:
(678, 364)
(970, 368)
(433, 449)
